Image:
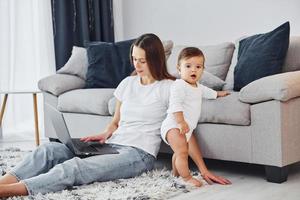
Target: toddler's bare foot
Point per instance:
(175, 173)
(193, 181)
(174, 170)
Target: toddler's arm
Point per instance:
(183, 126)
(209, 93)
(177, 94)
(222, 93)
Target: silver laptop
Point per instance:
(79, 148)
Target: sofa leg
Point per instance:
(276, 174)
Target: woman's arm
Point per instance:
(110, 128)
(196, 155)
(113, 125)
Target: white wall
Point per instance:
(201, 22)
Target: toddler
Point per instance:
(184, 109)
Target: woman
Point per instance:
(134, 131)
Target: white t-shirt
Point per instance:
(142, 111)
(188, 99)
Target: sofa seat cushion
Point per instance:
(226, 110)
(88, 101)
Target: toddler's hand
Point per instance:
(183, 127)
(222, 93)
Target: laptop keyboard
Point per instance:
(82, 146)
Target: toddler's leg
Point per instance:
(180, 147)
(174, 170)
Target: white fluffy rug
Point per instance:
(157, 184)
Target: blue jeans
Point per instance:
(53, 167)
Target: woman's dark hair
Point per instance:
(155, 55)
(189, 52)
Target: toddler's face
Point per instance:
(191, 69)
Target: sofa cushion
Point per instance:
(261, 55)
(226, 110)
(217, 59)
(281, 87)
(211, 81)
(168, 46)
(112, 105)
(292, 59)
(77, 64)
(229, 77)
(109, 64)
(88, 101)
(291, 63)
(59, 83)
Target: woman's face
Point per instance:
(140, 62)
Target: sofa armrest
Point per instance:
(280, 87)
(59, 83)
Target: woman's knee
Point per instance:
(85, 173)
(45, 150)
(54, 150)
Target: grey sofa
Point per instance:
(260, 124)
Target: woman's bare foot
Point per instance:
(193, 181)
(8, 179)
(174, 170)
(14, 189)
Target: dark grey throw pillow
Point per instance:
(109, 64)
(261, 55)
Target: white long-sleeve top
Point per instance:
(188, 99)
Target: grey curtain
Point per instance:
(76, 22)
